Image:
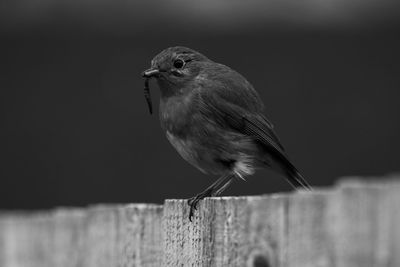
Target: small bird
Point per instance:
(214, 118)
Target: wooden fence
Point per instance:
(353, 224)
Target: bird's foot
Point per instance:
(192, 202)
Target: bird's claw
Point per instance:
(191, 215)
(192, 202)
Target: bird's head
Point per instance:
(175, 65)
(173, 68)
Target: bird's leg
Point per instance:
(222, 188)
(209, 191)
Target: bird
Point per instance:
(215, 120)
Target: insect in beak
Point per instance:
(149, 74)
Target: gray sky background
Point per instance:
(75, 128)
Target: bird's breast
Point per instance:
(186, 149)
(176, 115)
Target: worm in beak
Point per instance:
(147, 95)
(147, 74)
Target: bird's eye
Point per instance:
(179, 63)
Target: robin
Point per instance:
(214, 118)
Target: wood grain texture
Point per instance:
(139, 235)
(234, 231)
(367, 227)
(355, 223)
(26, 240)
(308, 237)
(69, 226)
(98, 236)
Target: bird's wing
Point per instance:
(240, 119)
(251, 124)
(229, 99)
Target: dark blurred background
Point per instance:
(75, 128)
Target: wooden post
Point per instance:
(230, 231)
(308, 236)
(356, 223)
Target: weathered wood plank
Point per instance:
(98, 236)
(366, 225)
(308, 239)
(69, 226)
(266, 231)
(139, 235)
(355, 224)
(239, 231)
(26, 240)
(349, 226)
(123, 236)
(391, 207)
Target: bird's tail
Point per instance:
(294, 178)
(279, 162)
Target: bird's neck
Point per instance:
(167, 89)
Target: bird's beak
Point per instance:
(150, 73)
